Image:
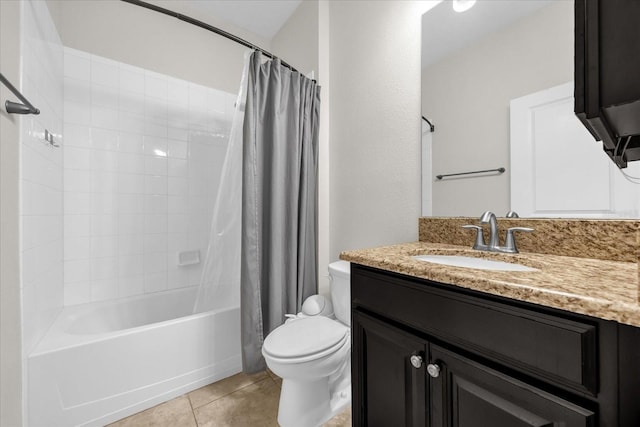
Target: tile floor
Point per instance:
(238, 401)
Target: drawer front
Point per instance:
(556, 349)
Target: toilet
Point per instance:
(311, 352)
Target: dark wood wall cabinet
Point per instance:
(607, 66)
(433, 354)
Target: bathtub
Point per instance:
(102, 362)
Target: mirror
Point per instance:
(473, 65)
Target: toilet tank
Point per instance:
(339, 275)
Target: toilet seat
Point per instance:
(305, 339)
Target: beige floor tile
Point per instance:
(238, 401)
(343, 419)
(275, 378)
(254, 405)
(272, 375)
(214, 391)
(278, 381)
(176, 412)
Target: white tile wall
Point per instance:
(142, 161)
(41, 174)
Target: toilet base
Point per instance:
(339, 402)
(303, 403)
(308, 404)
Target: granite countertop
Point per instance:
(593, 287)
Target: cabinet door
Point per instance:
(388, 390)
(468, 394)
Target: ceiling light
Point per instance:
(463, 5)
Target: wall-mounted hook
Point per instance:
(48, 136)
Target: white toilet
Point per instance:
(312, 355)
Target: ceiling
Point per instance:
(445, 31)
(262, 17)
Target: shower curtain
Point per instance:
(279, 201)
(219, 282)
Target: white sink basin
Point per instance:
(471, 262)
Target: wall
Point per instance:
(40, 179)
(142, 159)
(375, 123)
(147, 39)
(10, 325)
(467, 94)
(297, 41)
(41, 174)
(324, 184)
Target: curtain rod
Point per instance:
(14, 107)
(206, 27)
(432, 127)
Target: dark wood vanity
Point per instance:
(433, 354)
(607, 63)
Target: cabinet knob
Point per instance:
(416, 361)
(433, 370)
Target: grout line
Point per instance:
(193, 414)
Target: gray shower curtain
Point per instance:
(279, 201)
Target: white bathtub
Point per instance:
(102, 362)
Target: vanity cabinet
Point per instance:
(432, 354)
(607, 88)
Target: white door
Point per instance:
(557, 168)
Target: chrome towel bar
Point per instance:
(499, 170)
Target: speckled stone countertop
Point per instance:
(607, 239)
(600, 288)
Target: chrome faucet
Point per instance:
(490, 218)
(494, 241)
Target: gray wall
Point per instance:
(297, 41)
(467, 94)
(10, 329)
(375, 123)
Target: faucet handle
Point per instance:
(479, 236)
(512, 214)
(510, 241)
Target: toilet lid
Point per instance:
(304, 337)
